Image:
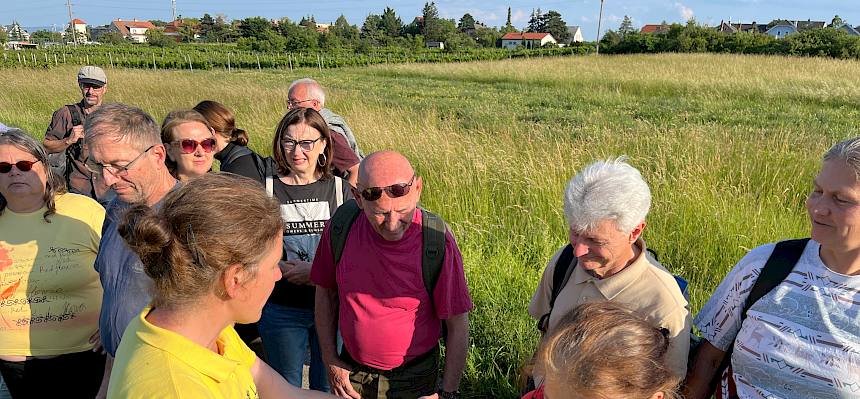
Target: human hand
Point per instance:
(338, 376)
(77, 134)
(297, 272)
(96, 340)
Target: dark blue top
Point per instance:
(126, 286)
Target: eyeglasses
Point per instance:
(24, 166)
(394, 191)
(116, 170)
(294, 103)
(305, 145)
(188, 146)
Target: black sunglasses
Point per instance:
(394, 191)
(24, 166)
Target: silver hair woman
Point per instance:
(799, 339)
(51, 294)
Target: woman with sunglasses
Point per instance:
(190, 144)
(309, 194)
(50, 295)
(211, 267)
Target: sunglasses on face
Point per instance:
(188, 146)
(394, 191)
(24, 166)
(305, 145)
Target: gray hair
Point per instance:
(122, 122)
(847, 151)
(53, 184)
(607, 190)
(315, 90)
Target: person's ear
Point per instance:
(357, 195)
(160, 151)
(658, 395)
(232, 279)
(637, 232)
(419, 186)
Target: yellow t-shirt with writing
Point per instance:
(153, 362)
(50, 295)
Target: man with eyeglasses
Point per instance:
(376, 293)
(64, 137)
(307, 93)
(126, 153)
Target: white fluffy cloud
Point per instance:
(686, 12)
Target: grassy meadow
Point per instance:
(729, 145)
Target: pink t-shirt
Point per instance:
(386, 317)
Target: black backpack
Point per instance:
(63, 162)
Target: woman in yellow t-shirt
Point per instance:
(50, 295)
(212, 265)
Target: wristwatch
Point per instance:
(448, 395)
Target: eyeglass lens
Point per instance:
(188, 146)
(24, 166)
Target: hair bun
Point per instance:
(148, 236)
(239, 137)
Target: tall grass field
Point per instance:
(729, 145)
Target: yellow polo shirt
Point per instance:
(645, 286)
(152, 362)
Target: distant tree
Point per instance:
(487, 37)
(389, 23)
(3, 36)
(157, 38)
(222, 32)
(626, 27)
(308, 22)
(553, 24)
(255, 27)
(610, 40)
(206, 25)
(509, 27)
(536, 22)
(467, 23)
(836, 22)
(46, 36)
(432, 24)
(188, 34)
(370, 31)
(344, 30)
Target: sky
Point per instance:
(45, 13)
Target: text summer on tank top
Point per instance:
(305, 210)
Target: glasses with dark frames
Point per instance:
(394, 191)
(305, 145)
(24, 166)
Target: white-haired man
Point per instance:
(308, 93)
(605, 206)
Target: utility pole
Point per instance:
(599, 20)
(173, 8)
(72, 24)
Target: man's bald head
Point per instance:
(384, 168)
(306, 93)
(390, 217)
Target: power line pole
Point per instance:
(72, 24)
(599, 21)
(173, 8)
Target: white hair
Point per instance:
(315, 90)
(607, 190)
(847, 151)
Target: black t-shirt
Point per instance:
(305, 210)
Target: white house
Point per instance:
(513, 40)
(17, 33)
(80, 29)
(781, 30)
(574, 35)
(133, 30)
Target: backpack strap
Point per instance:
(77, 119)
(341, 223)
(433, 254)
(270, 186)
(561, 274)
(338, 191)
(777, 268)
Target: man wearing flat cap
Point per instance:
(64, 137)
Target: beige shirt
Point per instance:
(645, 286)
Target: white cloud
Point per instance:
(686, 12)
(585, 19)
(613, 18)
(519, 16)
